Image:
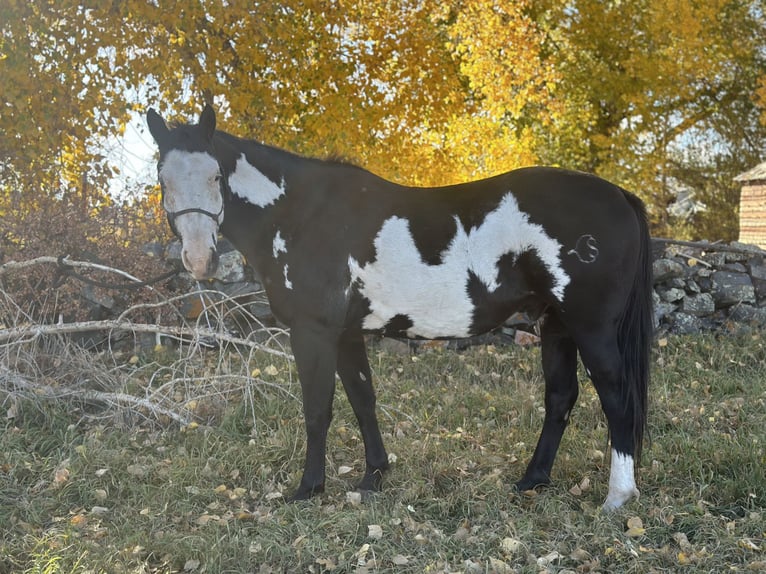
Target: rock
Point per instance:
(676, 283)
(662, 310)
(525, 339)
(758, 276)
(732, 257)
(698, 305)
(672, 295)
(231, 267)
(731, 288)
(99, 297)
(716, 259)
(154, 249)
(685, 324)
(748, 314)
(664, 269)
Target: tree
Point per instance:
(655, 91)
(420, 91)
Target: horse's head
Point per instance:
(192, 188)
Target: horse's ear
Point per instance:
(207, 121)
(157, 126)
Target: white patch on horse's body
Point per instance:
(279, 245)
(190, 180)
(435, 297)
(285, 270)
(622, 482)
(586, 249)
(249, 183)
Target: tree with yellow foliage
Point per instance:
(420, 91)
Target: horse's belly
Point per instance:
(427, 309)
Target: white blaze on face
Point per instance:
(253, 186)
(435, 297)
(622, 482)
(190, 180)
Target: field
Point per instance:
(89, 489)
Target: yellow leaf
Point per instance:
(61, 476)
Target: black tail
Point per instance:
(635, 330)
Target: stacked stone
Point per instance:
(702, 287)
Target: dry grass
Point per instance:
(92, 485)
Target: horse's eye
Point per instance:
(218, 178)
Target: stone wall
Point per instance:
(704, 287)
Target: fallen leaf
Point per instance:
(326, 563)
(191, 565)
(511, 545)
(354, 498)
(60, 476)
(400, 560)
(548, 559)
(361, 554)
(271, 370)
(499, 567)
(748, 544)
(344, 470)
(580, 555)
(683, 541)
(635, 527)
(375, 531)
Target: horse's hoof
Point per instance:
(305, 493)
(372, 482)
(527, 484)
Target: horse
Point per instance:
(342, 253)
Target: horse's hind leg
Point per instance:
(354, 372)
(559, 355)
(602, 359)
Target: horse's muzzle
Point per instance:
(201, 268)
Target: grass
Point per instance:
(83, 493)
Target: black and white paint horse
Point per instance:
(342, 252)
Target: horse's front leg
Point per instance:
(354, 371)
(315, 352)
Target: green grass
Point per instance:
(83, 494)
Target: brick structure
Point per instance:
(752, 206)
